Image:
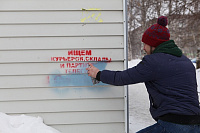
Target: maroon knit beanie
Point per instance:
(157, 33)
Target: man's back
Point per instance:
(174, 88)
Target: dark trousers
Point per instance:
(167, 127)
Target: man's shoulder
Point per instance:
(151, 60)
(153, 57)
(162, 57)
(157, 58)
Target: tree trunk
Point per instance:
(198, 59)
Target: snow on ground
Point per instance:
(23, 124)
(139, 115)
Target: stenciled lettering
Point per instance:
(80, 52)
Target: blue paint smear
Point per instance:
(63, 91)
(59, 80)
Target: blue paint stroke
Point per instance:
(59, 80)
(63, 91)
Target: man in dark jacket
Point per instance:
(170, 79)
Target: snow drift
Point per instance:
(23, 124)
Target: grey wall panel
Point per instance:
(81, 117)
(52, 68)
(61, 93)
(37, 80)
(61, 5)
(57, 17)
(91, 128)
(83, 55)
(61, 30)
(61, 42)
(51, 106)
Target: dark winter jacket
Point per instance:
(170, 79)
